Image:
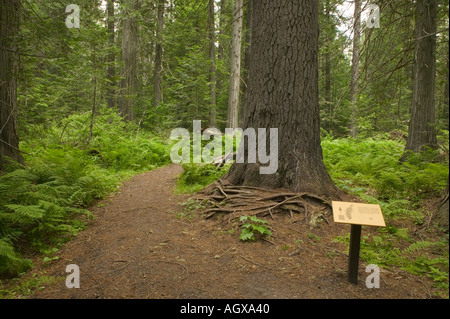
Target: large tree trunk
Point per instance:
(9, 59)
(328, 104)
(248, 44)
(422, 132)
(212, 57)
(157, 84)
(283, 93)
(355, 68)
(111, 56)
(222, 25)
(441, 215)
(128, 81)
(445, 112)
(235, 77)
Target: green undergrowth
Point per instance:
(370, 169)
(395, 247)
(196, 176)
(17, 288)
(44, 204)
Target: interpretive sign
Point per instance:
(356, 214)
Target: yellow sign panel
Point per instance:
(357, 213)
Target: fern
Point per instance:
(39, 202)
(10, 261)
(417, 246)
(26, 213)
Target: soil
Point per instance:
(143, 244)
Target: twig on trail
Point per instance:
(120, 268)
(250, 261)
(295, 252)
(170, 262)
(220, 255)
(271, 215)
(270, 242)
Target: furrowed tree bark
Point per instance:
(128, 81)
(157, 84)
(328, 65)
(9, 64)
(212, 57)
(248, 44)
(355, 68)
(111, 56)
(235, 77)
(422, 132)
(441, 215)
(222, 24)
(445, 112)
(283, 93)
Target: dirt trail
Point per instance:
(136, 247)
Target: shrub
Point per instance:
(64, 174)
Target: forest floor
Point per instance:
(141, 245)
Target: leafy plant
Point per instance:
(43, 204)
(26, 287)
(416, 258)
(198, 176)
(417, 246)
(252, 227)
(189, 207)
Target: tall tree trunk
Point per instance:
(235, 76)
(441, 214)
(128, 81)
(9, 64)
(157, 84)
(222, 24)
(248, 44)
(328, 65)
(111, 56)
(421, 131)
(283, 93)
(94, 97)
(355, 68)
(212, 56)
(445, 112)
(221, 79)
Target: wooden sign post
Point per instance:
(356, 214)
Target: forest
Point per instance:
(92, 91)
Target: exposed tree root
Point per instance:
(236, 201)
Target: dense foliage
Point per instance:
(41, 203)
(370, 168)
(77, 150)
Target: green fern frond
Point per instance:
(10, 261)
(18, 175)
(10, 233)
(419, 245)
(32, 212)
(6, 249)
(74, 210)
